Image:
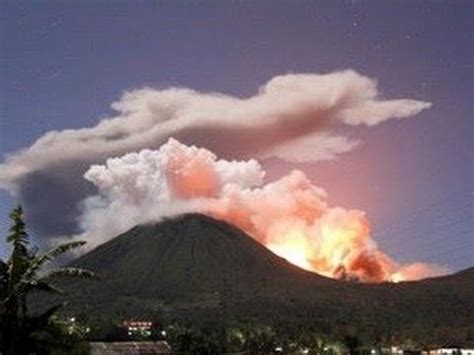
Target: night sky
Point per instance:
(63, 63)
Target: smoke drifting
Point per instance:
(293, 117)
(286, 108)
(290, 216)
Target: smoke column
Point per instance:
(290, 216)
(294, 117)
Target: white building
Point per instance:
(138, 327)
(449, 351)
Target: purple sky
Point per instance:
(62, 64)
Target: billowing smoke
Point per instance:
(293, 117)
(290, 216)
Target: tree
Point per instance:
(19, 276)
(192, 340)
(260, 339)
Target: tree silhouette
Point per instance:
(20, 275)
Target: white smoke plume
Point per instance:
(292, 117)
(290, 216)
(146, 186)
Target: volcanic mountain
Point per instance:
(196, 268)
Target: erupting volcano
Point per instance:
(290, 216)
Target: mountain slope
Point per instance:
(197, 268)
(191, 254)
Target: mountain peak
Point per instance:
(196, 267)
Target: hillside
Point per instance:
(195, 268)
(190, 264)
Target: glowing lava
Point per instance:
(295, 248)
(396, 277)
(291, 216)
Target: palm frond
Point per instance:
(69, 272)
(50, 255)
(60, 249)
(42, 285)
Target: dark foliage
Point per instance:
(20, 332)
(197, 269)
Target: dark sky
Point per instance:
(63, 63)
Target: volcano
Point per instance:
(196, 268)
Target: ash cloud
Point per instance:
(290, 216)
(291, 117)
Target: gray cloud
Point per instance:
(291, 117)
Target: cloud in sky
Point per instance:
(292, 117)
(311, 147)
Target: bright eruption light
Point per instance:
(290, 216)
(295, 248)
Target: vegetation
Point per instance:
(247, 338)
(20, 275)
(219, 291)
(195, 268)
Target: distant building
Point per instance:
(130, 348)
(396, 350)
(138, 328)
(449, 351)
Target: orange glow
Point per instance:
(396, 278)
(295, 248)
(338, 251)
(291, 216)
(335, 244)
(191, 177)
